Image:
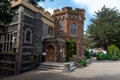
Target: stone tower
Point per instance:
(69, 25)
(20, 44)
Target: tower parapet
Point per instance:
(69, 10)
(66, 9)
(69, 13)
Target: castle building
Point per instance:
(33, 31)
(70, 26)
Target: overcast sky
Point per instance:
(90, 6)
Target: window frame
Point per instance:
(73, 29)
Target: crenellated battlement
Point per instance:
(68, 10)
(69, 13)
(38, 9)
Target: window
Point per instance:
(50, 31)
(1, 47)
(7, 46)
(0, 37)
(8, 37)
(61, 28)
(4, 46)
(28, 36)
(61, 23)
(73, 29)
(11, 37)
(7, 43)
(5, 37)
(11, 46)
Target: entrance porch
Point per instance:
(54, 49)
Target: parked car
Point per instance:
(92, 53)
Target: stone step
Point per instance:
(61, 67)
(73, 68)
(48, 67)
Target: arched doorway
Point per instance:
(35, 60)
(50, 53)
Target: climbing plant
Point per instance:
(69, 49)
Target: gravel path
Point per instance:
(103, 70)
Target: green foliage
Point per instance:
(34, 2)
(115, 58)
(69, 49)
(88, 41)
(81, 61)
(101, 56)
(67, 59)
(87, 54)
(113, 53)
(6, 13)
(113, 50)
(104, 29)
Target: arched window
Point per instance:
(28, 34)
(61, 23)
(73, 29)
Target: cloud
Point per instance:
(41, 4)
(50, 10)
(95, 5)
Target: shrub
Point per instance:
(109, 57)
(113, 50)
(81, 61)
(113, 53)
(101, 56)
(115, 58)
(87, 54)
(78, 60)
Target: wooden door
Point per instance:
(50, 54)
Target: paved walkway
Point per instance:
(103, 70)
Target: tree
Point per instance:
(88, 42)
(6, 12)
(113, 53)
(87, 54)
(34, 2)
(105, 27)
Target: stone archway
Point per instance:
(50, 53)
(35, 60)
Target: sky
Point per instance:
(90, 6)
